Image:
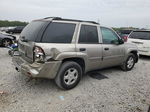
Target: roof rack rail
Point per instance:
(53, 18)
(59, 18)
(91, 22)
(80, 21)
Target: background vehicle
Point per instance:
(4, 29)
(16, 29)
(65, 49)
(142, 40)
(6, 40)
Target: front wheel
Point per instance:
(129, 63)
(69, 75)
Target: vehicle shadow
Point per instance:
(104, 73)
(97, 75)
(142, 57)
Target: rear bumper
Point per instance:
(37, 70)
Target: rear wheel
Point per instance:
(69, 75)
(6, 42)
(129, 63)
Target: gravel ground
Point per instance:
(119, 92)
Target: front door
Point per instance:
(113, 52)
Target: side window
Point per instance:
(109, 37)
(59, 33)
(88, 34)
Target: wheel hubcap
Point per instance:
(6, 43)
(130, 62)
(70, 76)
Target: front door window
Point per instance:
(109, 37)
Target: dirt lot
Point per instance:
(118, 92)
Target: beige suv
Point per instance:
(65, 49)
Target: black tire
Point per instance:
(125, 66)
(6, 42)
(11, 52)
(65, 67)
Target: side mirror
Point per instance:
(121, 41)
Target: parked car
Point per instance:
(142, 40)
(16, 29)
(4, 29)
(6, 40)
(65, 49)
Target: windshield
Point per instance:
(31, 31)
(145, 35)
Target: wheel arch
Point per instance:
(6, 39)
(78, 60)
(135, 52)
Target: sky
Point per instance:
(112, 13)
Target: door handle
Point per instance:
(82, 49)
(106, 49)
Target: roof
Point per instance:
(62, 19)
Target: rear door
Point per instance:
(89, 44)
(113, 52)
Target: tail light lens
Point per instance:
(125, 38)
(39, 54)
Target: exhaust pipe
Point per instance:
(17, 69)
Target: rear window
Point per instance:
(32, 30)
(145, 35)
(59, 33)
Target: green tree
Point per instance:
(6, 23)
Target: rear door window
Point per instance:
(88, 34)
(59, 33)
(145, 35)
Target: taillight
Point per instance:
(39, 54)
(125, 38)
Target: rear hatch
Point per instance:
(141, 39)
(31, 33)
